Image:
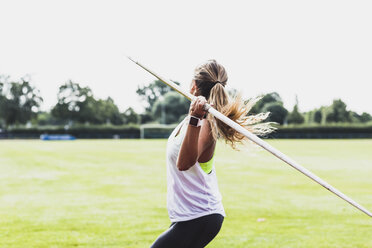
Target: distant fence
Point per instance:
(126, 132)
(163, 131)
(323, 132)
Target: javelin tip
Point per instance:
(130, 58)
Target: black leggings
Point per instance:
(190, 234)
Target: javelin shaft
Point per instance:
(170, 84)
(261, 143)
(286, 159)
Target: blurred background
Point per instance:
(63, 65)
(64, 75)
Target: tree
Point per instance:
(277, 112)
(76, 103)
(318, 116)
(295, 117)
(271, 102)
(145, 117)
(45, 118)
(170, 108)
(107, 112)
(267, 98)
(130, 116)
(2, 101)
(19, 101)
(363, 118)
(151, 93)
(73, 103)
(338, 112)
(232, 92)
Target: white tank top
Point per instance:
(192, 193)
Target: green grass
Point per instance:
(112, 193)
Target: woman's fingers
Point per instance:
(197, 106)
(200, 103)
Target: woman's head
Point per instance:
(208, 76)
(209, 80)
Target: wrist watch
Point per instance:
(195, 121)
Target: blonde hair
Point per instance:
(210, 79)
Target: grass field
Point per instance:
(112, 193)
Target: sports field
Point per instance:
(112, 193)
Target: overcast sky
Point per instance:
(319, 50)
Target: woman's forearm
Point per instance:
(189, 152)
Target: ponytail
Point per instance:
(237, 110)
(210, 79)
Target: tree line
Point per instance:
(20, 104)
(164, 105)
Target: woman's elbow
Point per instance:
(181, 168)
(184, 166)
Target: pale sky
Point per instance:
(319, 50)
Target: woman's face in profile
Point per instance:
(193, 88)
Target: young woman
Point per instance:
(193, 200)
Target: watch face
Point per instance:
(193, 121)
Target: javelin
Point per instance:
(260, 142)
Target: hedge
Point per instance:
(322, 132)
(161, 131)
(80, 132)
